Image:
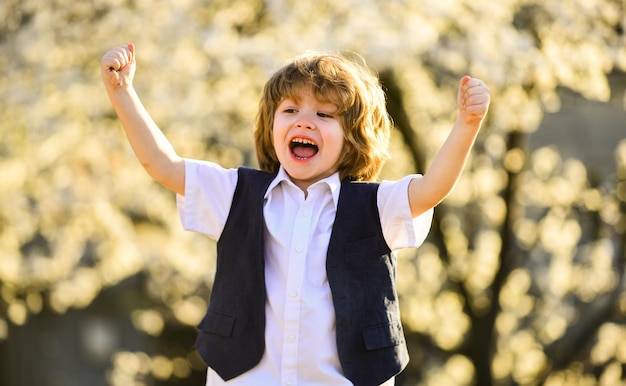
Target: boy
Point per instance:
(304, 291)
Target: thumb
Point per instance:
(459, 97)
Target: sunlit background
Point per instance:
(521, 281)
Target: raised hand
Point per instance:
(118, 66)
(473, 100)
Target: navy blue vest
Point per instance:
(361, 272)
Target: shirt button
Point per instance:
(290, 338)
(293, 293)
(290, 381)
(305, 213)
(299, 248)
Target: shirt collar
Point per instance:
(331, 181)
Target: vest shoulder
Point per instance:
(248, 171)
(360, 186)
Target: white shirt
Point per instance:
(300, 318)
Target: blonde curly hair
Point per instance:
(346, 82)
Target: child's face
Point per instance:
(308, 138)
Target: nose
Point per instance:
(305, 123)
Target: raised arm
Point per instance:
(444, 172)
(151, 147)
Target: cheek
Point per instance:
(342, 141)
(273, 143)
(342, 144)
(278, 126)
(274, 133)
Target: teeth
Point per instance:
(303, 141)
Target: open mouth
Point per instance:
(302, 148)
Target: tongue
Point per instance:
(303, 151)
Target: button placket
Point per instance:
(297, 264)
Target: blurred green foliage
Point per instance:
(522, 278)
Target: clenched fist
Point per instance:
(118, 67)
(473, 100)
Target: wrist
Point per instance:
(469, 123)
(115, 90)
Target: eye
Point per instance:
(324, 115)
(290, 110)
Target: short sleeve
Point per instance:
(400, 229)
(209, 190)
